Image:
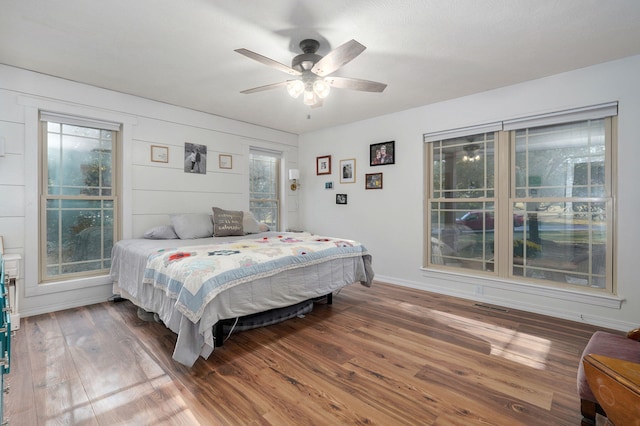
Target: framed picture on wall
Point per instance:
(159, 154)
(225, 161)
(341, 198)
(195, 158)
(323, 165)
(382, 153)
(348, 171)
(373, 181)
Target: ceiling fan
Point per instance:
(312, 72)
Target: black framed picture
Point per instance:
(195, 158)
(382, 153)
(341, 198)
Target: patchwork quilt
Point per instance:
(194, 275)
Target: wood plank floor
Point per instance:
(384, 355)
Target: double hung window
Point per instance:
(78, 207)
(264, 192)
(530, 200)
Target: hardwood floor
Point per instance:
(384, 355)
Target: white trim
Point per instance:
(41, 294)
(265, 151)
(68, 285)
(450, 286)
(592, 112)
(79, 121)
(281, 183)
(126, 180)
(461, 132)
(596, 298)
(70, 108)
(95, 295)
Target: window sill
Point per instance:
(596, 297)
(68, 285)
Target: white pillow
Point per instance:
(163, 232)
(249, 224)
(193, 225)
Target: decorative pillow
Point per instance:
(163, 232)
(227, 222)
(264, 227)
(194, 225)
(249, 223)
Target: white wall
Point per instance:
(389, 222)
(151, 190)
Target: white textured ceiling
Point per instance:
(182, 51)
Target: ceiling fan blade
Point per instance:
(337, 58)
(268, 62)
(355, 84)
(267, 87)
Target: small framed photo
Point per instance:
(348, 171)
(328, 185)
(382, 153)
(341, 198)
(323, 165)
(373, 181)
(225, 161)
(159, 154)
(195, 158)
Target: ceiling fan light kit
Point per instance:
(312, 89)
(310, 97)
(295, 88)
(321, 88)
(312, 70)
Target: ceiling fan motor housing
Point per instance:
(305, 61)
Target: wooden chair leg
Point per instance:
(588, 410)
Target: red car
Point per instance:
(474, 220)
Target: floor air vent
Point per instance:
(493, 308)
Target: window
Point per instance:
(264, 177)
(463, 201)
(78, 197)
(532, 202)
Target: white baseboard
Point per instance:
(68, 304)
(577, 313)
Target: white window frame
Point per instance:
(278, 200)
(65, 119)
(33, 288)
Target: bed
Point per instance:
(192, 284)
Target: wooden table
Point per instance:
(616, 385)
